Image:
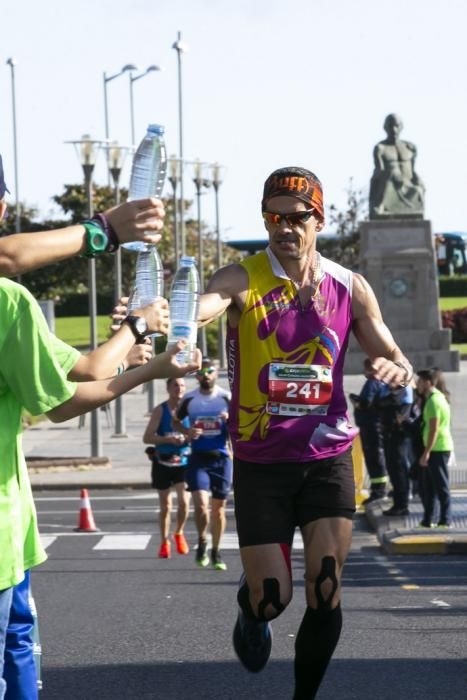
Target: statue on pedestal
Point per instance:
(396, 191)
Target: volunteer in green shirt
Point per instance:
(43, 375)
(438, 445)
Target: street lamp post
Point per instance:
(107, 79)
(199, 184)
(180, 47)
(174, 176)
(12, 63)
(115, 158)
(216, 183)
(87, 155)
(133, 79)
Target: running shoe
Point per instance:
(252, 642)
(164, 550)
(181, 543)
(217, 562)
(394, 512)
(201, 557)
(444, 526)
(424, 526)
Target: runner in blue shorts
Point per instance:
(210, 465)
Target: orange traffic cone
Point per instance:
(86, 519)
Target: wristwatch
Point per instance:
(138, 326)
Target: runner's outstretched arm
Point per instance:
(388, 362)
(224, 290)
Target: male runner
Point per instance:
(210, 465)
(290, 312)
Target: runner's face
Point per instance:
(207, 377)
(291, 242)
(176, 388)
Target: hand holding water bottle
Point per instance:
(138, 220)
(139, 355)
(155, 314)
(148, 171)
(167, 364)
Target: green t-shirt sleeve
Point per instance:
(432, 409)
(66, 355)
(30, 367)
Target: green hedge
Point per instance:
(453, 286)
(78, 305)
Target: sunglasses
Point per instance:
(202, 372)
(295, 219)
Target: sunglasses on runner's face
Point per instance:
(296, 218)
(207, 370)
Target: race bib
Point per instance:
(210, 425)
(298, 390)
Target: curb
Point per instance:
(98, 486)
(395, 539)
(39, 465)
(398, 543)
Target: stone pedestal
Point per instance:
(398, 260)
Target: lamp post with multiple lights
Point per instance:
(133, 79)
(87, 149)
(108, 79)
(116, 157)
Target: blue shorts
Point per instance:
(209, 472)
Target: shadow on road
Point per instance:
(385, 679)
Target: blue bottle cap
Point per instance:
(156, 129)
(187, 260)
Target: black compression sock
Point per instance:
(316, 640)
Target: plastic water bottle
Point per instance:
(149, 279)
(183, 307)
(147, 172)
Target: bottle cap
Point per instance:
(156, 129)
(187, 260)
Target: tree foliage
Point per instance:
(70, 277)
(344, 247)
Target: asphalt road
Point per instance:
(118, 623)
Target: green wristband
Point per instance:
(96, 239)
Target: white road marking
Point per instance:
(47, 540)
(440, 603)
(116, 511)
(139, 540)
(123, 542)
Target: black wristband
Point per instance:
(102, 221)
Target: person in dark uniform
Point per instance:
(368, 419)
(396, 410)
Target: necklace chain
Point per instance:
(315, 273)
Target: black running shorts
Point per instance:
(164, 477)
(271, 500)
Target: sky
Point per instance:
(265, 83)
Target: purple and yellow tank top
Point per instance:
(286, 366)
